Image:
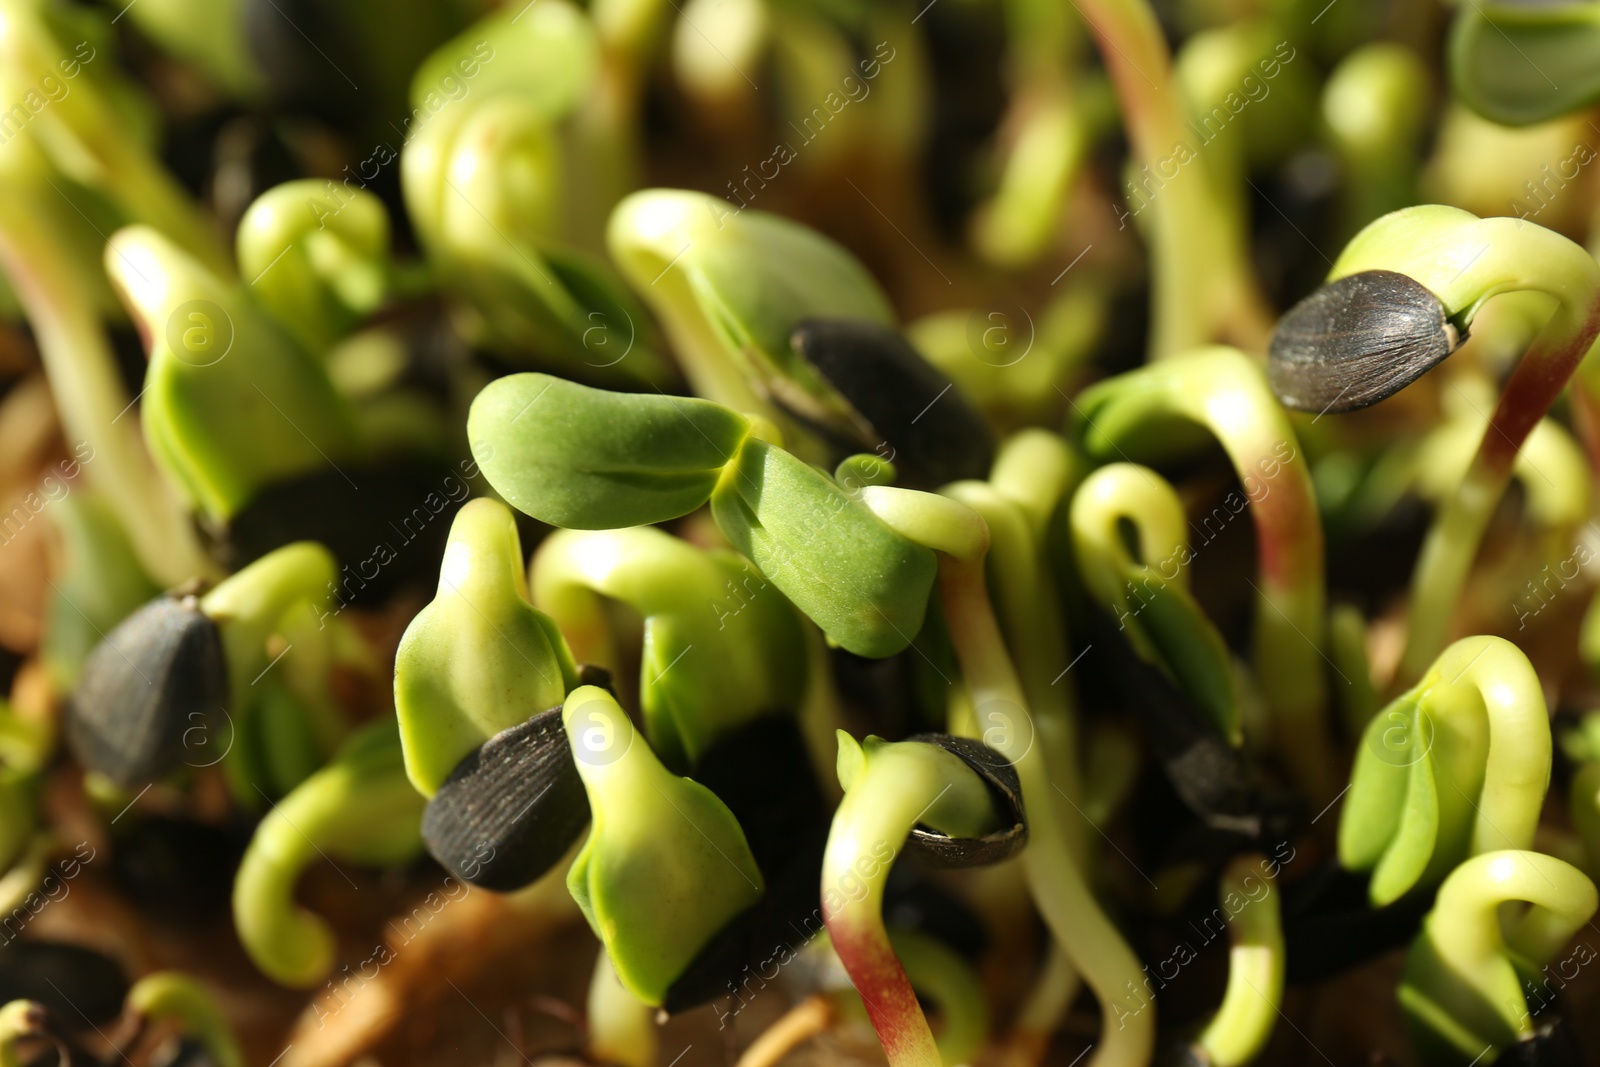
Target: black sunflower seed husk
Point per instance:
(936, 435)
(1215, 781)
(157, 675)
(1357, 341)
(1554, 1044)
(511, 808)
(1329, 926)
(79, 987)
(1006, 789)
(385, 522)
(763, 773)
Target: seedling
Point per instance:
(730, 287)
(859, 565)
(1169, 663)
(479, 680)
(583, 458)
(360, 808)
(1033, 472)
(1145, 589)
(995, 698)
(773, 318)
(480, 658)
(1462, 990)
(173, 666)
(46, 247)
(487, 184)
(1153, 412)
(1239, 1031)
(1399, 300)
(721, 647)
(665, 867)
(1455, 767)
(318, 264)
(232, 402)
(970, 799)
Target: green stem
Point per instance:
(1452, 543)
(1034, 630)
(362, 802)
(621, 1026)
(248, 606)
(947, 980)
(888, 792)
(1249, 1011)
(1466, 261)
(1202, 284)
(1462, 967)
(1074, 916)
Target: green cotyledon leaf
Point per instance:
(1519, 64)
(232, 402)
(666, 865)
(589, 459)
(863, 583)
(479, 658)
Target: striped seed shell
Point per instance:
(1357, 341)
(159, 674)
(511, 809)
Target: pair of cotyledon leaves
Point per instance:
(584, 458)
